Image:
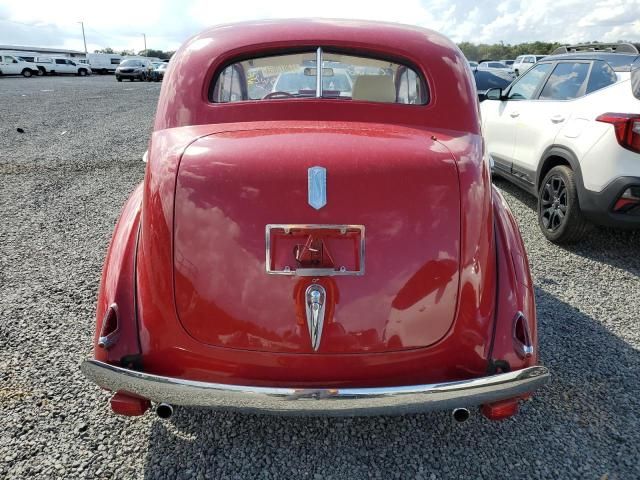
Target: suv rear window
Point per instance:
(602, 75)
(296, 76)
(635, 79)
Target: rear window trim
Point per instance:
(357, 52)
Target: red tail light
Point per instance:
(626, 127)
(500, 410)
(128, 405)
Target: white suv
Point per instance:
(568, 131)
(524, 63)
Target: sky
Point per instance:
(120, 24)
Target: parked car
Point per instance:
(14, 65)
(497, 68)
(103, 63)
(473, 65)
(489, 65)
(65, 66)
(43, 64)
(237, 276)
(524, 63)
(157, 74)
(508, 63)
(568, 131)
(34, 60)
(488, 79)
(302, 82)
(133, 69)
(47, 65)
(151, 68)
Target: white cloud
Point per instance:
(167, 23)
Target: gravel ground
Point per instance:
(63, 182)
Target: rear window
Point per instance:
(296, 76)
(131, 63)
(602, 75)
(635, 79)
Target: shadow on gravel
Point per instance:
(618, 248)
(582, 425)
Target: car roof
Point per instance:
(620, 62)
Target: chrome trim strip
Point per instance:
(315, 299)
(313, 272)
(319, 72)
(317, 401)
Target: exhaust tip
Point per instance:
(461, 414)
(164, 411)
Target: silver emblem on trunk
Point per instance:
(315, 298)
(317, 177)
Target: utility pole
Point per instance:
(83, 38)
(145, 42)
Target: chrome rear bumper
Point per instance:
(319, 401)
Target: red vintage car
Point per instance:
(317, 233)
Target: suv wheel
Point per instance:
(82, 72)
(26, 73)
(559, 214)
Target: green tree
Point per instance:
(153, 53)
(498, 51)
(104, 50)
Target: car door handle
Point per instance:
(514, 114)
(557, 119)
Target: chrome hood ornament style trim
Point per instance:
(317, 180)
(315, 298)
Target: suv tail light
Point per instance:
(626, 127)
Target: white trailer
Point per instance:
(104, 62)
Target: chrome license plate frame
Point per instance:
(315, 272)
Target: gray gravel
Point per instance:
(63, 182)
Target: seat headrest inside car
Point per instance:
(374, 88)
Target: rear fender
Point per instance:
(118, 287)
(515, 289)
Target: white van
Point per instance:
(104, 62)
(14, 65)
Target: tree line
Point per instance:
(499, 51)
(143, 53)
(502, 51)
